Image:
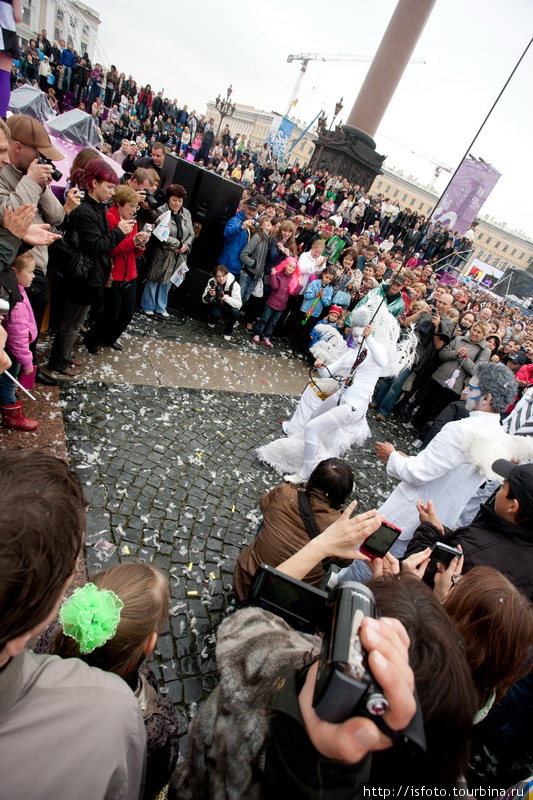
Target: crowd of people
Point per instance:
(361, 289)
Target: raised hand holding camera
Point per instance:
(387, 644)
(40, 173)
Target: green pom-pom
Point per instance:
(91, 616)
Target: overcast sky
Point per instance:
(194, 51)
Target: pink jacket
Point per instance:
(21, 331)
(282, 286)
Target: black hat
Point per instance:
(518, 358)
(520, 477)
(251, 203)
(398, 279)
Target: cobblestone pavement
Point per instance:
(171, 478)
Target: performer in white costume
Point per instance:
(454, 464)
(326, 428)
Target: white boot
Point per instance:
(296, 478)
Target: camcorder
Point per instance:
(344, 687)
(56, 174)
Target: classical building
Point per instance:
(254, 125)
(495, 243)
(62, 19)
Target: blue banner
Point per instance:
(279, 135)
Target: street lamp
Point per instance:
(338, 109)
(225, 108)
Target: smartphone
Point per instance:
(443, 553)
(381, 541)
(299, 604)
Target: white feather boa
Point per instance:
(483, 451)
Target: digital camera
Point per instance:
(56, 174)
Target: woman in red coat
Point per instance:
(120, 291)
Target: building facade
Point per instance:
(254, 125)
(494, 242)
(69, 20)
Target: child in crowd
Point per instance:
(284, 281)
(112, 623)
(311, 263)
(21, 332)
(317, 296)
(333, 318)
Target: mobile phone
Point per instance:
(299, 604)
(381, 541)
(443, 553)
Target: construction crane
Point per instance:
(305, 58)
(440, 166)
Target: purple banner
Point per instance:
(466, 194)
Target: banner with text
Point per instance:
(279, 135)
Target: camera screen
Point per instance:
(300, 605)
(381, 540)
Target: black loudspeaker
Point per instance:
(212, 201)
(178, 170)
(213, 205)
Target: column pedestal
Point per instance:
(349, 152)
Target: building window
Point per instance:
(497, 245)
(83, 47)
(59, 14)
(85, 30)
(26, 15)
(480, 236)
(520, 256)
(496, 262)
(488, 259)
(505, 265)
(413, 201)
(421, 206)
(530, 261)
(506, 248)
(489, 240)
(380, 184)
(73, 23)
(404, 198)
(387, 190)
(396, 193)
(513, 252)
(57, 35)
(480, 254)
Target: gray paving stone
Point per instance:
(143, 477)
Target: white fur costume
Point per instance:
(322, 429)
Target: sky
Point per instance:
(470, 48)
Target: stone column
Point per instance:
(386, 70)
(350, 150)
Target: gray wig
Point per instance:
(498, 381)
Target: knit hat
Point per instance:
(335, 310)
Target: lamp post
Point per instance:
(225, 108)
(338, 109)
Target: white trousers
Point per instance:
(328, 417)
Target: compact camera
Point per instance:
(345, 687)
(56, 174)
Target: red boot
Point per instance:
(13, 417)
